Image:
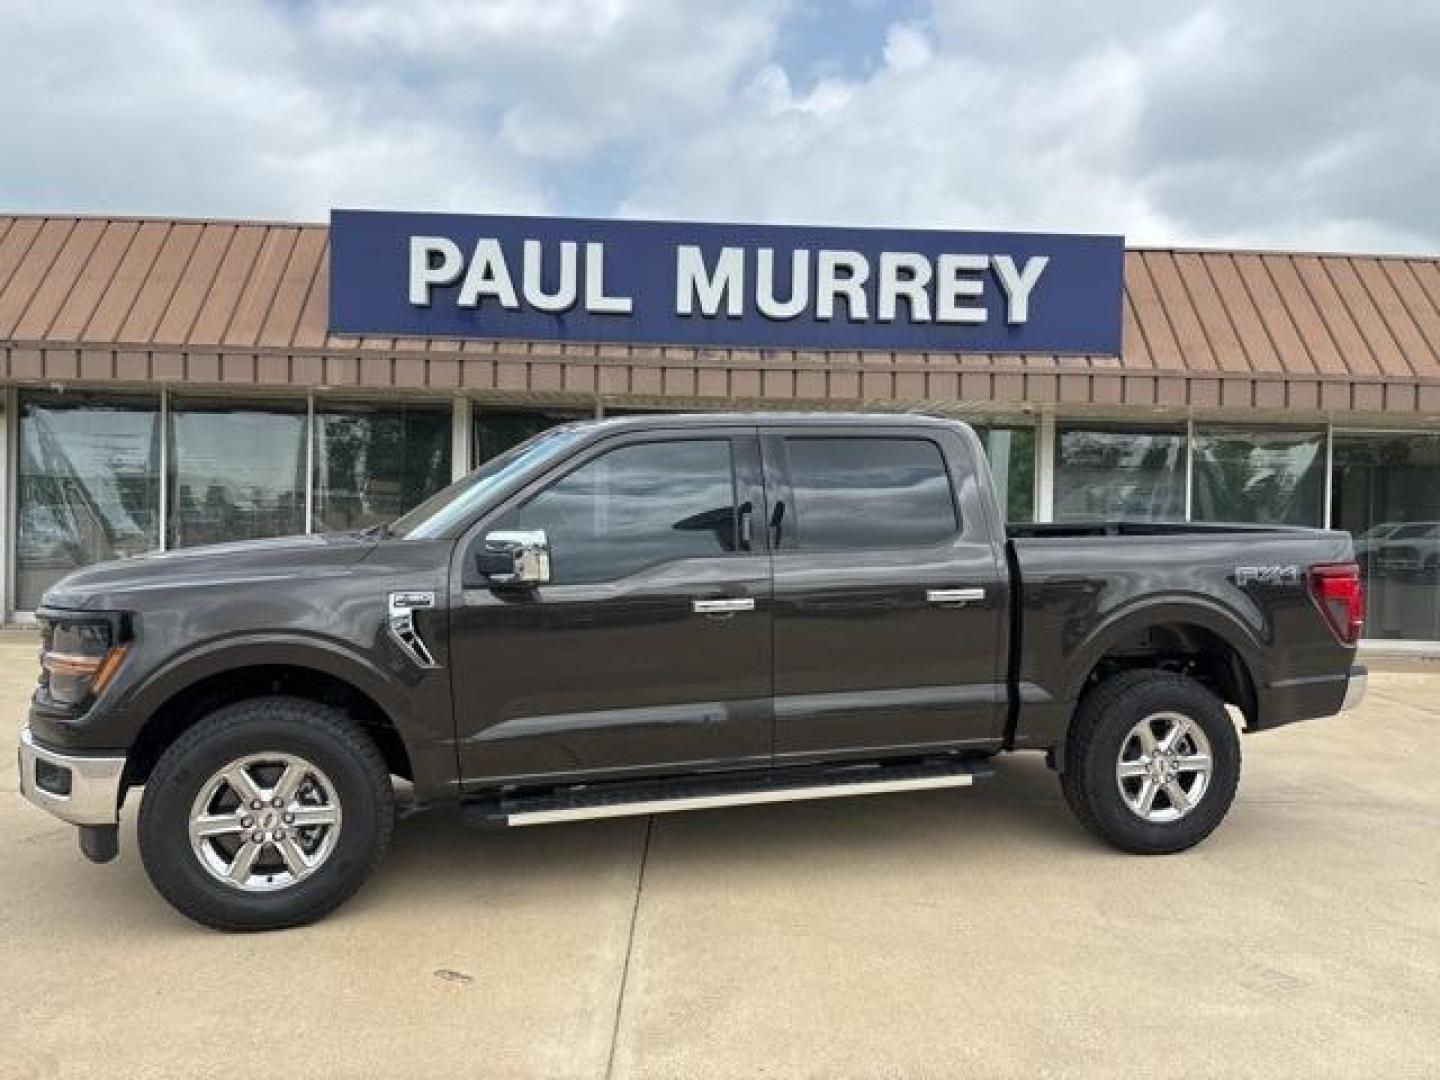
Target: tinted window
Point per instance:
(634, 507)
(89, 485)
(1103, 473)
(237, 470)
(373, 461)
(870, 493)
(1271, 477)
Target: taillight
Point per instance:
(1340, 595)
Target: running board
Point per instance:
(588, 802)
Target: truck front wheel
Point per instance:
(1152, 762)
(267, 813)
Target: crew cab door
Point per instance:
(649, 648)
(890, 595)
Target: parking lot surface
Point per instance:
(949, 933)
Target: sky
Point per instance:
(1278, 124)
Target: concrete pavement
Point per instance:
(948, 933)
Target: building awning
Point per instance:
(135, 300)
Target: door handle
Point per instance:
(724, 607)
(954, 596)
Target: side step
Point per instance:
(585, 802)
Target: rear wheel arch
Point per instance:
(1189, 639)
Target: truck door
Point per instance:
(890, 595)
(649, 648)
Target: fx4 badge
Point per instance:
(403, 606)
(1266, 575)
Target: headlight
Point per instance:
(80, 655)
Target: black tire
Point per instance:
(322, 736)
(1098, 733)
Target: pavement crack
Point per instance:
(629, 947)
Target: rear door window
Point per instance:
(864, 493)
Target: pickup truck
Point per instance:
(650, 614)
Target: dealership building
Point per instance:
(169, 383)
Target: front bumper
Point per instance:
(80, 789)
(1355, 688)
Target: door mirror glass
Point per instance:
(515, 557)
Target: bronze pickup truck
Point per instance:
(653, 614)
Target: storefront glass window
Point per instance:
(374, 462)
(1385, 490)
(496, 432)
(237, 470)
(1267, 477)
(1109, 473)
(1011, 451)
(89, 485)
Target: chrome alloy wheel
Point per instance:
(265, 822)
(1164, 767)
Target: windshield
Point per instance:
(451, 507)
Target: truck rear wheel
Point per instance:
(1152, 762)
(268, 813)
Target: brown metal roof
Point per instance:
(245, 302)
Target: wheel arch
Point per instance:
(1190, 637)
(209, 677)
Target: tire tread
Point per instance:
(1116, 694)
(333, 725)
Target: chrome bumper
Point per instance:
(1355, 688)
(94, 783)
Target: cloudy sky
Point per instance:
(1287, 123)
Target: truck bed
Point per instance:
(1080, 590)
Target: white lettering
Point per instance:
(1018, 285)
(488, 276)
(841, 273)
(799, 297)
(693, 283)
(951, 286)
(595, 298)
(424, 272)
(563, 298)
(904, 274)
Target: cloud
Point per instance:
(1290, 123)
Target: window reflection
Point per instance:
(1104, 473)
(495, 432)
(374, 462)
(237, 470)
(88, 485)
(1011, 453)
(1385, 490)
(868, 493)
(635, 507)
(1266, 477)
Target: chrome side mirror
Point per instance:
(515, 557)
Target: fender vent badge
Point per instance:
(403, 606)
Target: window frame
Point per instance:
(780, 486)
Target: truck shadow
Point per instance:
(1020, 808)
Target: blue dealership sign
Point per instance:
(711, 285)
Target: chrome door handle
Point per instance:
(954, 596)
(723, 607)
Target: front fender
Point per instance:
(416, 701)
